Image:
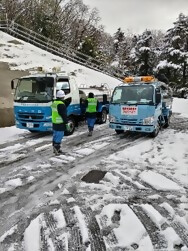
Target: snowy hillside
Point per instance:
(24, 56)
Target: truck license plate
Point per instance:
(128, 128)
(29, 125)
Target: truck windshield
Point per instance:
(34, 89)
(137, 94)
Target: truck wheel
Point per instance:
(72, 123)
(167, 122)
(119, 131)
(155, 132)
(103, 117)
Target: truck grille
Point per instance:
(30, 116)
(131, 121)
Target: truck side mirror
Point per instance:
(12, 84)
(158, 98)
(105, 100)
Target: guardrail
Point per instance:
(27, 35)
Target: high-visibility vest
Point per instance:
(92, 105)
(56, 118)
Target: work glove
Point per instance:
(68, 127)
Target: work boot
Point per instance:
(56, 152)
(90, 133)
(61, 152)
(56, 149)
(53, 146)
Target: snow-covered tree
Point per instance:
(121, 50)
(88, 47)
(142, 54)
(175, 52)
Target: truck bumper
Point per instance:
(34, 126)
(133, 128)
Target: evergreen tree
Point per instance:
(142, 55)
(118, 39)
(121, 50)
(88, 47)
(175, 52)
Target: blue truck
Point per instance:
(140, 104)
(34, 95)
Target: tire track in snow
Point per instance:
(50, 230)
(75, 239)
(158, 240)
(181, 231)
(96, 238)
(131, 196)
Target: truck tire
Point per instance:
(155, 132)
(103, 117)
(167, 122)
(72, 123)
(119, 131)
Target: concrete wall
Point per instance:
(6, 96)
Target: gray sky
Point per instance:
(138, 15)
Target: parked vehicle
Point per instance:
(34, 95)
(141, 104)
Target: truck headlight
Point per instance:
(49, 117)
(148, 121)
(47, 124)
(112, 118)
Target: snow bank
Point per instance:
(14, 182)
(32, 235)
(158, 181)
(180, 105)
(11, 133)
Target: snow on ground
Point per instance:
(180, 106)
(167, 153)
(160, 163)
(158, 181)
(32, 235)
(33, 57)
(136, 233)
(11, 133)
(10, 232)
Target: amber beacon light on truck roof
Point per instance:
(139, 79)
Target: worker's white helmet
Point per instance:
(60, 94)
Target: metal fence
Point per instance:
(58, 49)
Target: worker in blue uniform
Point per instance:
(59, 120)
(91, 112)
